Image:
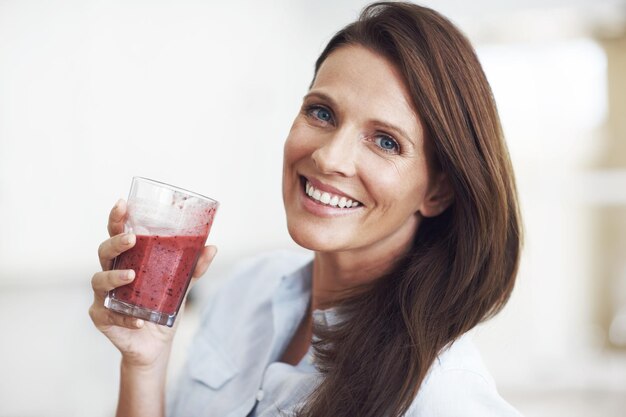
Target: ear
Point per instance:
(438, 197)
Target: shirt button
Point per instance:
(259, 395)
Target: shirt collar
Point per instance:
(298, 283)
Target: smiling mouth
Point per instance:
(327, 198)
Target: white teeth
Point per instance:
(327, 198)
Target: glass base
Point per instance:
(139, 312)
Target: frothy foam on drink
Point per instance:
(174, 214)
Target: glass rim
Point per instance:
(175, 188)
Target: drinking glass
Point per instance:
(171, 226)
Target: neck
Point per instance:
(337, 272)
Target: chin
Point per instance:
(313, 238)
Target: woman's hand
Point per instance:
(142, 344)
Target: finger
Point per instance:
(104, 281)
(204, 261)
(110, 248)
(117, 217)
(103, 317)
(121, 320)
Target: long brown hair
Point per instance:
(462, 265)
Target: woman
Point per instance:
(397, 177)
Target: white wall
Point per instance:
(197, 94)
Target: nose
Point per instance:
(337, 153)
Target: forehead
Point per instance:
(370, 84)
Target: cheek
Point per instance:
(296, 146)
(396, 186)
(289, 151)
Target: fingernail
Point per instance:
(139, 323)
(129, 275)
(128, 239)
(118, 204)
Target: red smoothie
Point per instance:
(163, 266)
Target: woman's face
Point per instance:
(357, 147)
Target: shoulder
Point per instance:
(274, 264)
(254, 280)
(265, 271)
(459, 385)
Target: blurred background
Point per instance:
(201, 94)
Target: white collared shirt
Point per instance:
(233, 368)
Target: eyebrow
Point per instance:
(382, 124)
(322, 96)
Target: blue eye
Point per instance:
(321, 114)
(387, 144)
